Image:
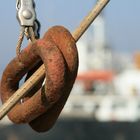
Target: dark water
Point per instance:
(75, 130)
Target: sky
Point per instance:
(122, 21)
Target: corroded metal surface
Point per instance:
(43, 104)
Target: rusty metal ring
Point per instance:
(58, 52)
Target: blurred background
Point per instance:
(105, 101)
